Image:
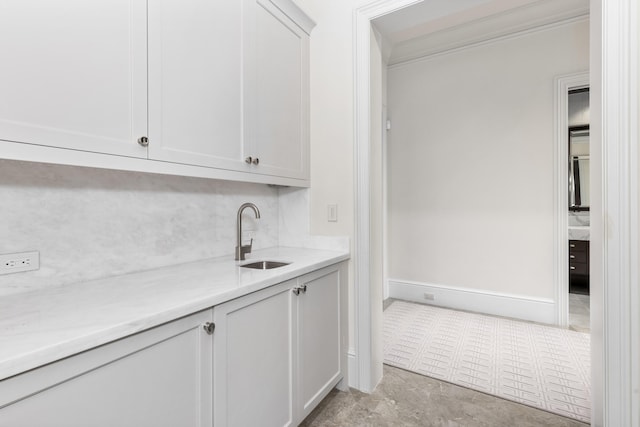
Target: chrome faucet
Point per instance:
(241, 250)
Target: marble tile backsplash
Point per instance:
(91, 223)
(294, 223)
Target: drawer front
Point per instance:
(578, 268)
(578, 257)
(578, 246)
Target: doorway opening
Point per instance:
(579, 194)
(614, 90)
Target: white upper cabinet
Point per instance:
(217, 88)
(73, 74)
(277, 91)
(195, 82)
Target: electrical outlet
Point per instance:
(15, 263)
(429, 297)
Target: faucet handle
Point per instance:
(249, 246)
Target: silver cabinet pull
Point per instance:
(143, 140)
(249, 160)
(572, 245)
(209, 327)
(256, 161)
(303, 288)
(572, 256)
(572, 267)
(296, 290)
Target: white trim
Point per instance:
(64, 156)
(619, 211)
(296, 14)
(385, 206)
(634, 211)
(364, 334)
(534, 309)
(561, 197)
(351, 367)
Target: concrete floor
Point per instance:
(407, 399)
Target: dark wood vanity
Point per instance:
(579, 267)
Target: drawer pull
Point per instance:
(572, 267)
(572, 245)
(572, 257)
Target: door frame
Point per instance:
(615, 321)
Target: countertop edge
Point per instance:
(42, 356)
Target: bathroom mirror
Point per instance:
(579, 168)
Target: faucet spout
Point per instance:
(242, 250)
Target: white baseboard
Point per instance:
(519, 307)
(352, 369)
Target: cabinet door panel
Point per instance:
(157, 378)
(278, 118)
(195, 82)
(73, 74)
(252, 360)
(319, 336)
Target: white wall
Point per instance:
(579, 109)
(332, 133)
(331, 114)
(471, 163)
(90, 223)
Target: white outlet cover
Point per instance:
(19, 262)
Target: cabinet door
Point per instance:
(277, 92)
(73, 74)
(195, 82)
(253, 365)
(161, 377)
(319, 355)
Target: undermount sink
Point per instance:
(265, 265)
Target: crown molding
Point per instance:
(511, 23)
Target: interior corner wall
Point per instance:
(470, 162)
(331, 125)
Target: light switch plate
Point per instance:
(332, 212)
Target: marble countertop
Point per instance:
(579, 232)
(40, 327)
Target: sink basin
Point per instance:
(265, 265)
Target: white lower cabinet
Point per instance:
(320, 360)
(160, 377)
(252, 360)
(279, 351)
(273, 356)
